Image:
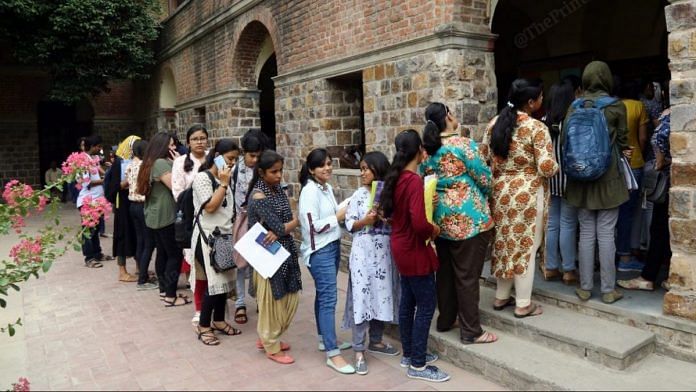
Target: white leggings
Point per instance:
(523, 283)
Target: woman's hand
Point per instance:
(173, 154)
(436, 232)
(124, 184)
(371, 218)
(436, 199)
(224, 175)
(341, 214)
(628, 153)
(270, 238)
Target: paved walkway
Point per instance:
(83, 330)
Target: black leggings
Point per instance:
(213, 307)
(168, 261)
(145, 241)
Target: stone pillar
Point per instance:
(681, 24)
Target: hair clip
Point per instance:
(510, 105)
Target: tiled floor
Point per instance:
(85, 331)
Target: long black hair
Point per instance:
(378, 164)
(188, 162)
(561, 95)
(408, 145)
(139, 148)
(436, 114)
(267, 159)
(521, 92)
(222, 146)
(315, 159)
(254, 140)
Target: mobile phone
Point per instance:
(220, 162)
(274, 247)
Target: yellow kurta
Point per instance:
(514, 202)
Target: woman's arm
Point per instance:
(477, 168)
(543, 152)
(309, 205)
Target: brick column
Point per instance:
(681, 24)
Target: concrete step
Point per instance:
(520, 364)
(607, 343)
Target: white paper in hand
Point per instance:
(263, 261)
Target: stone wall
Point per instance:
(20, 152)
(681, 24)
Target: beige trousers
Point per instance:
(275, 316)
(523, 283)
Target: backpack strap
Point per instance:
(599, 103)
(200, 210)
(603, 102)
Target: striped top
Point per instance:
(557, 183)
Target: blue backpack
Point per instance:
(587, 148)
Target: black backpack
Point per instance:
(186, 214)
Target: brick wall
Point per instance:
(20, 152)
(681, 24)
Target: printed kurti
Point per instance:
(463, 186)
(373, 276)
(516, 181)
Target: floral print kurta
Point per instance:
(516, 181)
(463, 187)
(374, 282)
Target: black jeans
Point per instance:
(415, 314)
(168, 260)
(461, 264)
(213, 307)
(660, 249)
(145, 240)
(91, 248)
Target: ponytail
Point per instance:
(436, 114)
(188, 162)
(521, 92)
(408, 145)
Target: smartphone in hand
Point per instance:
(274, 247)
(220, 162)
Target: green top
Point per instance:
(160, 207)
(609, 191)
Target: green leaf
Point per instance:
(46, 265)
(14, 286)
(11, 329)
(3, 303)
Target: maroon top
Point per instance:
(410, 229)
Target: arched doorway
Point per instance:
(255, 66)
(267, 98)
(60, 127)
(548, 39)
(166, 116)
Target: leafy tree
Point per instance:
(82, 44)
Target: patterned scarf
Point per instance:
(277, 197)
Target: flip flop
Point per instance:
(485, 337)
(533, 311)
(240, 318)
(170, 304)
(510, 302)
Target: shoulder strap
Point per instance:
(200, 210)
(603, 102)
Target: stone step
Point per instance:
(608, 343)
(520, 364)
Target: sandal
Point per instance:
(510, 302)
(239, 317)
(207, 337)
(176, 302)
(485, 337)
(94, 264)
(636, 284)
(227, 329)
(534, 310)
(128, 278)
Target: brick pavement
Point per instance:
(85, 331)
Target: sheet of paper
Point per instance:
(265, 263)
(430, 189)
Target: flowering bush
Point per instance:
(93, 209)
(22, 385)
(36, 252)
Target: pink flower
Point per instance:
(14, 190)
(18, 223)
(22, 385)
(43, 200)
(79, 163)
(28, 250)
(93, 209)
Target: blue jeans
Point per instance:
(324, 268)
(629, 226)
(562, 230)
(415, 315)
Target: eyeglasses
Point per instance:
(199, 139)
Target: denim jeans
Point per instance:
(561, 235)
(324, 267)
(145, 241)
(242, 275)
(630, 223)
(415, 314)
(597, 231)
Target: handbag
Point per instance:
(655, 183)
(625, 169)
(221, 248)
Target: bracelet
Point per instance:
(223, 186)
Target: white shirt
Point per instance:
(319, 202)
(94, 191)
(182, 180)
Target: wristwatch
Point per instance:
(224, 186)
